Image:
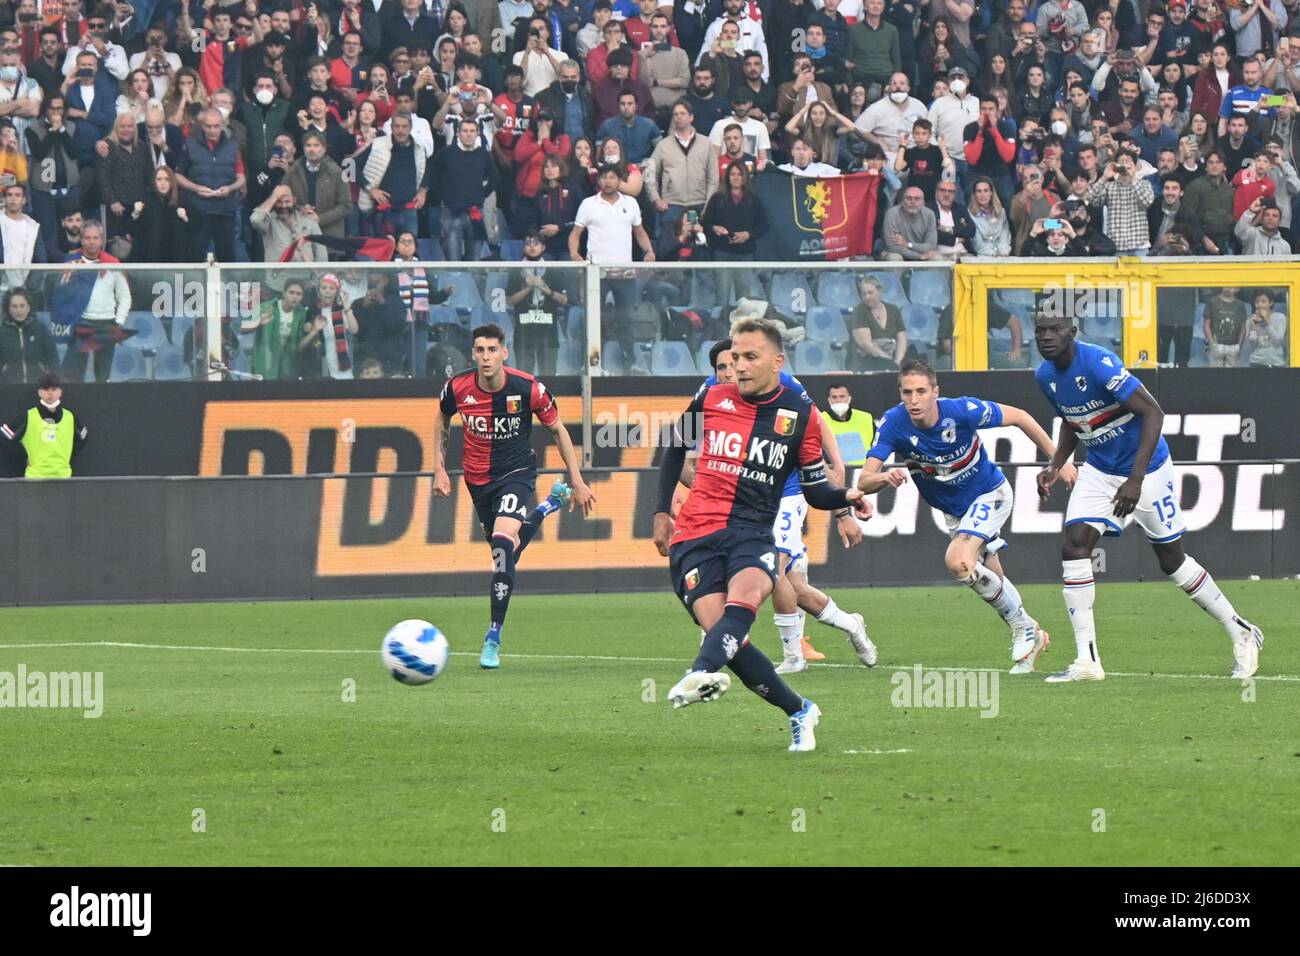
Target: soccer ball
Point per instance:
(415, 652)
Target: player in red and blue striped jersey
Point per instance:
(1128, 476)
(937, 441)
(752, 434)
(496, 406)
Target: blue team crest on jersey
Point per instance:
(1082, 382)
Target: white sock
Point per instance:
(1200, 587)
(833, 616)
(1000, 594)
(1080, 590)
(791, 630)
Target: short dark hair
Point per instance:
(604, 168)
(468, 59)
(917, 367)
(763, 327)
(718, 347)
(620, 57)
(489, 331)
(923, 123)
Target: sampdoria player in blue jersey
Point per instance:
(1127, 476)
(937, 441)
(793, 594)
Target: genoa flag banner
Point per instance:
(816, 218)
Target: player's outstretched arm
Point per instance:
(582, 496)
(1026, 423)
(873, 479)
(441, 481)
(1140, 403)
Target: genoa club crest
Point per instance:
(785, 421)
(692, 578)
(512, 404)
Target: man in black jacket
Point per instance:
(569, 101)
(409, 27)
(1170, 211)
(956, 230)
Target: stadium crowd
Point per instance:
(278, 131)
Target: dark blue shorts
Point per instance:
(506, 497)
(705, 565)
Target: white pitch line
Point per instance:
(879, 752)
(1286, 678)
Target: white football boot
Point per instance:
(699, 687)
(1027, 643)
(862, 645)
(1245, 650)
(792, 664)
(1078, 671)
(802, 723)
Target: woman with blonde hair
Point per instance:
(185, 99)
(992, 232)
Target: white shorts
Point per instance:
(1157, 511)
(984, 518)
(787, 531)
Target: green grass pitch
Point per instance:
(560, 759)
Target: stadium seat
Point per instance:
(702, 357)
(512, 250)
(611, 359)
(703, 294)
(443, 315)
(128, 365)
(465, 295)
(824, 324)
(891, 287)
(44, 319)
(931, 287)
(568, 361)
(790, 293)
(922, 324)
(180, 325)
(838, 290)
(494, 290)
(671, 358)
(576, 326)
(816, 358)
(428, 250)
(169, 364)
(148, 328)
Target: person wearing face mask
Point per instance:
(47, 434)
(888, 121)
(854, 430)
(950, 115)
(569, 101)
(20, 95)
(265, 118)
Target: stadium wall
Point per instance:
(274, 494)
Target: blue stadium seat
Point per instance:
(44, 319)
(494, 290)
(891, 286)
(568, 361)
(148, 328)
(128, 364)
(702, 357)
(922, 324)
(169, 364)
(704, 294)
(465, 295)
(671, 358)
(428, 250)
(180, 325)
(816, 358)
(611, 359)
(1198, 326)
(838, 290)
(576, 326)
(790, 293)
(824, 324)
(512, 250)
(931, 287)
